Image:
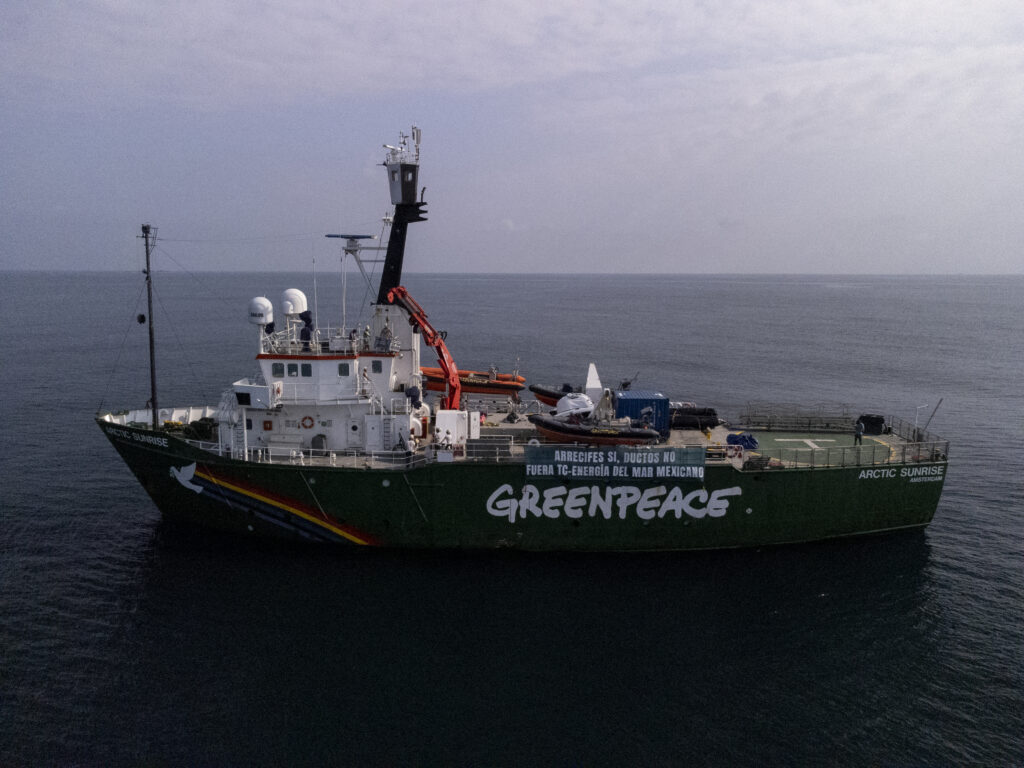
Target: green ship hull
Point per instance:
(469, 503)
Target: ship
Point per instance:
(337, 439)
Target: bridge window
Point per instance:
(377, 366)
(277, 370)
(293, 369)
(307, 369)
(343, 369)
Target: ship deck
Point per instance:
(785, 445)
(793, 441)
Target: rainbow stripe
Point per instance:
(310, 522)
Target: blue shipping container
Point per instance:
(639, 404)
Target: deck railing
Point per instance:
(326, 341)
(850, 456)
(909, 432)
(506, 449)
(795, 419)
(902, 443)
(802, 419)
(915, 444)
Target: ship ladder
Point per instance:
(239, 443)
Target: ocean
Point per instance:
(125, 640)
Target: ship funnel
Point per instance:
(261, 311)
(293, 302)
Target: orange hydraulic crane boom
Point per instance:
(417, 317)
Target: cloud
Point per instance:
(755, 133)
(232, 52)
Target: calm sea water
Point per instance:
(127, 641)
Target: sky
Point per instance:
(816, 136)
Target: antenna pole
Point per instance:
(147, 231)
(344, 293)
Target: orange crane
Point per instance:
(418, 318)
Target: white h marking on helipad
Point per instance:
(809, 442)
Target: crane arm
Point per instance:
(418, 318)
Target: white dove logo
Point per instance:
(184, 476)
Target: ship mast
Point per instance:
(403, 165)
(147, 231)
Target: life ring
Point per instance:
(533, 441)
(307, 422)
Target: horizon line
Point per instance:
(10, 270)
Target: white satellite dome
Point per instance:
(261, 311)
(293, 302)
